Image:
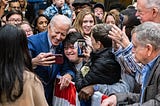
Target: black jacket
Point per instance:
(104, 69)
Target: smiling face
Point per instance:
(57, 33)
(88, 23)
(71, 53)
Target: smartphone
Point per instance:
(58, 58)
(81, 47)
(121, 18)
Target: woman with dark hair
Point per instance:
(18, 85)
(40, 23)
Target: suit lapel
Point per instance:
(153, 71)
(44, 42)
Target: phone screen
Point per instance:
(81, 47)
(58, 58)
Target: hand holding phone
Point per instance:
(58, 58)
(81, 47)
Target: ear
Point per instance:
(155, 11)
(149, 49)
(99, 44)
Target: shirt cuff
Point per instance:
(128, 49)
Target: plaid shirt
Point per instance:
(130, 62)
(53, 10)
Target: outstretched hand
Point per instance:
(119, 36)
(110, 101)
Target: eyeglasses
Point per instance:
(15, 20)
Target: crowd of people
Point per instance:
(39, 40)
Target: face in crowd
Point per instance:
(58, 28)
(59, 3)
(110, 20)
(15, 6)
(99, 12)
(15, 19)
(88, 23)
(147, 13)
(42, 24)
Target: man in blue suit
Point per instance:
(43, 46)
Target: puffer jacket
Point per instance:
(103, 69)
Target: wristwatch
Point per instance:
(95, 87)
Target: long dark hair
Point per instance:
(14, 59)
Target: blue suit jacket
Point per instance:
(39, 43)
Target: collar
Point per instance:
(50, 44)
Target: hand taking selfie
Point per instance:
(44, 59)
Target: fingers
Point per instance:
(64, 82)
(119, 36)
(45, 59)
(115, 34)
(83, 95)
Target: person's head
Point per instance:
(110, 19)
(23, 3)
(70, 50)
(80, 5)
(148, 10)
(84, 22)
(58, 28)
(59, 3)
(15, 59)
(70, 2)
(14, 17)
(146, 42)
(99, 10)
(99, 36)
(14, 5)
(116, 13)
(40, 23)
(25, 25)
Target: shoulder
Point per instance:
(51, 8)
(31, 77)
(65, 6)
(37, 37)
(31, 82)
